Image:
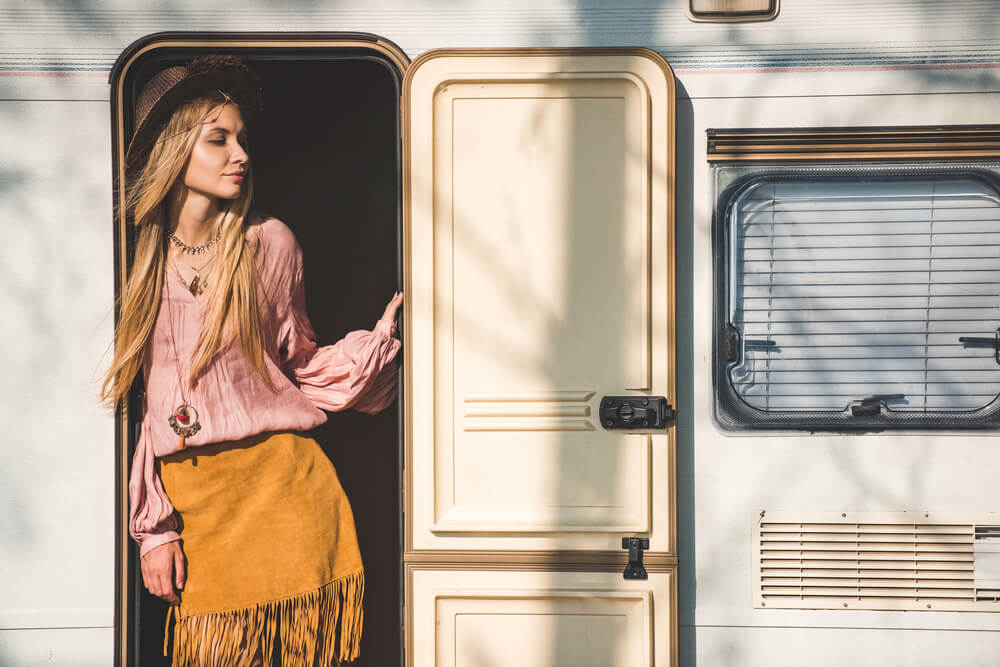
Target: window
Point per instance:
(732, 10)
(862, 297)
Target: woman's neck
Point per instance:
(192, 217)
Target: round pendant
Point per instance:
(184, 421)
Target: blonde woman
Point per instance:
(242, 524)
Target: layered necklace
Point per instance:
(184, 419)
(197, 284)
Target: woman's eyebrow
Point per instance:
(225, 130)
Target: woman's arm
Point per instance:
(153, 525)
(152, 520)
(358, 371)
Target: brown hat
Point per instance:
(170, 87)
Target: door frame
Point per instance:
(124, 81)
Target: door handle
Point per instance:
(619, 412)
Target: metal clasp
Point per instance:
(635, 412)
(635, 568)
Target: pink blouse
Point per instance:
(231, 399)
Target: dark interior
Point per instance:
(326, 162)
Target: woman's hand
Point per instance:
(163, 571)
(389, 316)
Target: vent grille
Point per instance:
(898, 561)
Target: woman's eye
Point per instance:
(217, 142)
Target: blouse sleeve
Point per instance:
(152, 521)
(358, 371)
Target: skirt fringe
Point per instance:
(307, 625)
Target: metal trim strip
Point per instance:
(124, 630)
(877, 143)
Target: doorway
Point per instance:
(326, 162)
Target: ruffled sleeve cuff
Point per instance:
(152, 520)
(154, 540)
(357, 372)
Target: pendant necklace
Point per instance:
(197, 285)
(184, 419)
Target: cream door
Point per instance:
(538, 236)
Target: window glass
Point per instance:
(731, 6)
(866, 296)
(721, 10)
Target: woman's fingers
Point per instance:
(162, 568)
(180, 570)
(394, 303)
(167, 587)
(391, 309)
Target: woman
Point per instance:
(242, 524)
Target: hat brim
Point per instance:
(242, 84)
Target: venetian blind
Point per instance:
(852, 290)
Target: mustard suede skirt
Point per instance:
(272, 554)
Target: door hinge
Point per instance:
(635, 545)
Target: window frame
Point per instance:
(769, 14)
(730, 411)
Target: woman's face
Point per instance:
(218, 163)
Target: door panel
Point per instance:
(539, 240)
(555, 619)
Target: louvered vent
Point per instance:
(987, 557)
(892, 561)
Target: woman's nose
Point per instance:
(240, 155)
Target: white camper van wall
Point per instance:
(549, 290)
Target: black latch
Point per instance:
(732, 344)
(974, 341)
(735, 341)
(635, 545)
(873, 405)
(866, 408)
(635, 412)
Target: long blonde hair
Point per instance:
(232, 311)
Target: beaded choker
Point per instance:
(193, 250)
